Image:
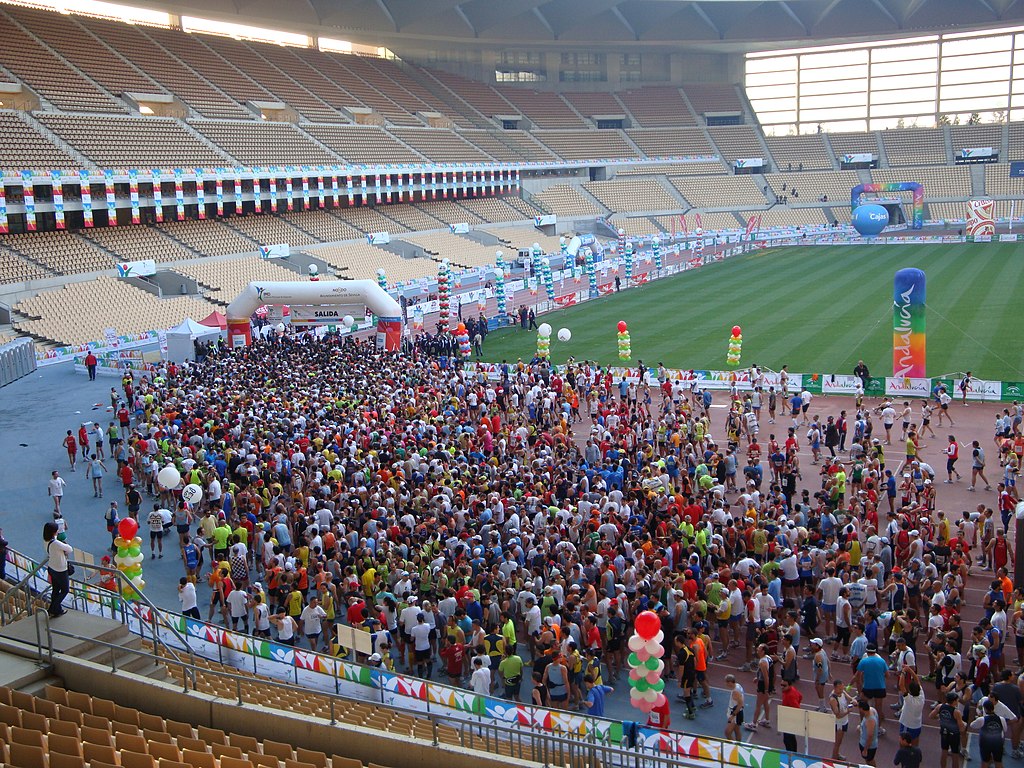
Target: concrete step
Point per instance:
(37, 688)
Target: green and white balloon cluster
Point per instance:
(543, 340)
(656, 250)
(382, 280)
(629, 262)
(499, 281)
(549, 283)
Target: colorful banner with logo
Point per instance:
(305, 187)
(179, 194)
(218, 189)
(83, 180)
(29, 194)
(388, 188)
(108, 185)
(349, 190)
(133, 194)
(57, 185)
(444, 184)
(201, 192)
(158, 194)
(289, 190)
(273, 190)
(362, 186)
(238, 190)
(136, 268)
(319, 186)
(4, 228)
(908, 323)
(917, 211)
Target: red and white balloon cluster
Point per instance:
(646, 688)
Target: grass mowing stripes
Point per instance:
(819, 309)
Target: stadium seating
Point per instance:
(584, 145)
(448, 212)
(1003, 209)
(323, 226)
(412, 219)
(208, 238)
(783, 216)
(267, 229)
(457, 249)
(369, 220)
(946, 211)
(738, 141)
(723, 192)
(16, 269)
(597, 103)
(49, 317)
(806, 152)
(441, 146)
(360, 261)
(542, 108)
(46, 74)
(713, 97)
(23, 147)
(635, 195)
(264, 143)
(567, 202)
(950, 181)
(495, 209)
(223, 280)
(372, 80)
(672, 169)
(637, 226)
(970, 136)
(915, 146)
(854, 143)
(484, 99)
(811, 185)
(1015, 140)
(362, 144)
(524, 237)
(657, 107)
(63, 252)
(713, 220)
(999, 183)
(123, 142)
(137, 243)
(665, 142)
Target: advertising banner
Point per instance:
(28, 192)
(279, 251)
(326, 314)
(545, 220)
(378, 238)
(907, 387)
(158, 195)
(136, 268)
(200, 193)
(133, 194)
(460, 228)
(179, 194)
(58, 198)
(3, 206)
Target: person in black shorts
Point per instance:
(991, 735)
(951, 729)
(687, 673)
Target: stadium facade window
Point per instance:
(915, 82)
(520, 76)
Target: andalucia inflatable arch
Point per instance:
(345, 297)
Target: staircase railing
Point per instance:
(8, 611)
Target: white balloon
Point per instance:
(280, 327)
(192, 494)
(564, 334)
(347, 321)
(169, 477)
(635, 643)
(658, 637)
(313, 269)
(544, 329)
(1019, 510)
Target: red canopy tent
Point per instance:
(215, 320)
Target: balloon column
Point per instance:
(382, 280)
(591, 272)
(444, 296)
(499, 281)
(462, 336)
(563, 248)
(656, 250)
(629, 262)
(543, 340)
(625, 349)
(622, 241)
(129, 557)
(735, 347)
(536, 254)
(646, 688)
(549, 283)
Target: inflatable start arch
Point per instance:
(352, 294)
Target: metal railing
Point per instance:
(7, 607)
(527, 742)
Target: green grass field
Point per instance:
(817, 309)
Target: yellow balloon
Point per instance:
(120, 543)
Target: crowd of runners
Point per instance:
(488, 532)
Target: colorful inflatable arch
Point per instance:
(917, 213)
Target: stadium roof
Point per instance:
(717, 25)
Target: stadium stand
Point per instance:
(163, 66)
(637, 226)
(1015, 140)
(137, 243)
(484, 99)
(324, 226)
(672, 169)
(225, 279)
(494, 209)
(58, 83)
(24, 148)
(368, 220)
(657, 107)
(448, 212)
(736, 141)
(951, 181)
(713, 220)
(268, 229)
(782, 216)
(713, 98)
(493, 146)
(371, 80)
(725, 192)
(441, 146)
(411, 218)
(665, 142)
(524, 237)
(596, 103)
(457, 249)
(15, 269)
(635, 195)
(854, 143)
(998, 181)
(811, 185)
(946, 211)
(806, 152)
(970, 136)
(360, 261)
(120, 142)
(528, 147)
(915, 146)
(210, 238)
(542, 108)
(584, 145)
(1003, 209)
(362, 144)
(566, 201)
(264, 143)
(63, 252)
(138, 311)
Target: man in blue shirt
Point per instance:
(870, 679)
(594, 703)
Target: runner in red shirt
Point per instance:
(71, 444)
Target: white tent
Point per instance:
(180, 339)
